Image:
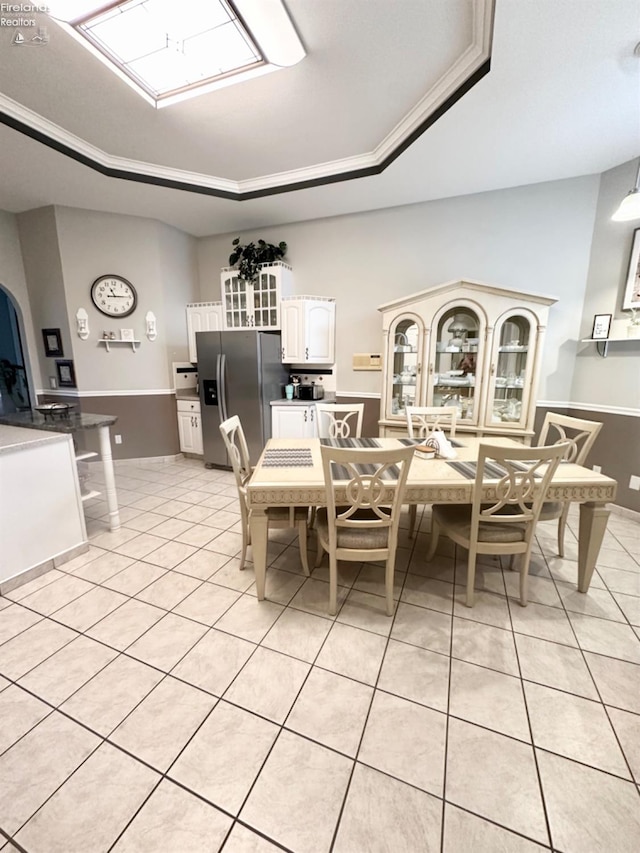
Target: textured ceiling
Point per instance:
(561, 99)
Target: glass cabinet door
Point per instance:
(265, 301)
(452, 368)
(511, 366)
(405, 345)
(234, 291)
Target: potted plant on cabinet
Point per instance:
(250, 257)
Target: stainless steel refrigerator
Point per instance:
(239, 373)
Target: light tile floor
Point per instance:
(149, 703)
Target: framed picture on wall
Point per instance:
(66, 374)
(52, 342)
(631, 298)
(601, 326)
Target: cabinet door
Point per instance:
(265, 300)
(212, 318)
(195, 323)
(186, 431)
(404, 367)
(293, 421)
(292, 312)
(511, 373)
(198, 446)
(454, 361)
(319, 332)
(235, 301)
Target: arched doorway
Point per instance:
(14, 385)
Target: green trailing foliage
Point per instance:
(249, 258)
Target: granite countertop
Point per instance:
(18, 438)
(74, 422)
(328, 398)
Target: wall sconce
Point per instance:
(151, 325)
(82, 324)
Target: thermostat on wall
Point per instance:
(367, 361)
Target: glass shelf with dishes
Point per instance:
(511, 369)
(407, 341)
(453, 380)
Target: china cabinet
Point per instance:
(466, 344)
(190, 427)
(308, 330)
(202, 317)
(254, 304)
(293, 421)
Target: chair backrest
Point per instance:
(423, 420)
(579, 434)
(365, 489)
(522, 477)
(336, 420)
(238, 452)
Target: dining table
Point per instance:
(289, 473)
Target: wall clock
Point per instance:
(114, 296)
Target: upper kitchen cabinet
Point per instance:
(308, 330)
(202, 317)
(255, 304)
(469, 345)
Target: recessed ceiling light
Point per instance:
(168, 55)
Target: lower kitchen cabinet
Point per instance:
(293, 421)
(190, 427)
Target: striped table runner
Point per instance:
(350, 442)
(492, 470)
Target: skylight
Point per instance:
(172, 50)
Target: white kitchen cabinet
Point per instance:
(255, 304)
(202, 317)
(308, 330)
(466, 344)
(293, 421)
(190, 427)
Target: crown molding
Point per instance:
(468, 69)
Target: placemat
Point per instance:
(341, 472)
(288, 457)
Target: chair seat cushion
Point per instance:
(281, 514)
(458, 519)
(349, 537)
(551, 509)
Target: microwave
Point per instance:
(310, 392)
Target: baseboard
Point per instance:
(623, 511)
(34, 572)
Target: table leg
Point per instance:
(259, 524)
(109, 477)
(593, 523)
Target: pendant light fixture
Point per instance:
(630, 205)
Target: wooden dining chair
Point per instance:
(365, 488)
(280, 517)
(579, 436)
(509, 491)
(339, 420)
(421, 422)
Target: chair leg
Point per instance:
(562, 523)
(388, 582)
(245, 544)
(524, 579)
(413, 514)
(302, 544)
(433, 544)
(333, 585)
(312, 517)
(471, 576)
(320, 553)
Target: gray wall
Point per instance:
(534, 238)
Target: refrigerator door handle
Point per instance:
(219, 387)
(222, 385)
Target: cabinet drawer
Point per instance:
(192, 406)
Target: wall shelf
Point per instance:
(606, 342)
(109, 343)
